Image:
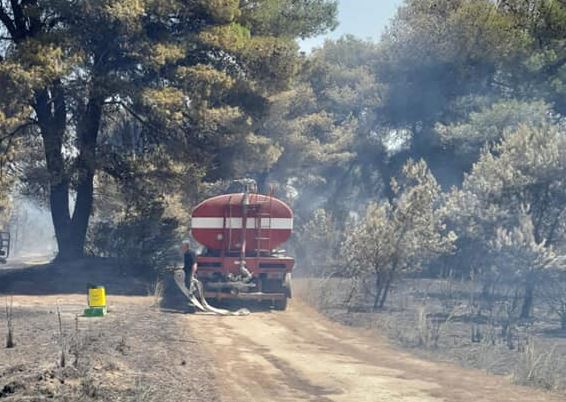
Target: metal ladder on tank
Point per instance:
(263, 234)
(227, 225)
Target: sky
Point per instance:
(362, 18)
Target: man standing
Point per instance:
(189, 262)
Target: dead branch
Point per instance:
(62, 345)
(10, 323)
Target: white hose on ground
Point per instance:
(195, 295)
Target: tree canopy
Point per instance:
(194, 75)
(121, 114)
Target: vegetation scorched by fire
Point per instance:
(433, 158)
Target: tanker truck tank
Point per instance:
(242, 233)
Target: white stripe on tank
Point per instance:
(236, 223)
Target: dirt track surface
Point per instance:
(27, 261)
(299, 355)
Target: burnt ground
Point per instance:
(143, 352)
(432, 319)
(138, 352)
(39, 277)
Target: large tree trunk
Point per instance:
(86, 164)
(51, 114)
(70, 232)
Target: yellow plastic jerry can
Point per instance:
(97, 297)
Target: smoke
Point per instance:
(31, 230)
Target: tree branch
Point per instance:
(132, 112)
(15, 132)
(10, 137)
(7, 21)
(19, 18)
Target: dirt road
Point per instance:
(139, 352)
(299, 355)
(27, 261)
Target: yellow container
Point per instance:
(97, 297)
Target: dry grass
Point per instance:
(156, 291)
(445, 319)
(540, 368)
(135, 353)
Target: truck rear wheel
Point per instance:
(281, 304)
(287, 285)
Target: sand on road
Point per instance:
(299, 355)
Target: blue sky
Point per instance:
(362, 18)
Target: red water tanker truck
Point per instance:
(242, 234)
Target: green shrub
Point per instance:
(142, 238)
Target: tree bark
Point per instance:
(378, 290)
(353, 289)
(70, 231)
(86, 168)
(528, 297)
(386, 291)
(51, 114)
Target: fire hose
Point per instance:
(195, 295)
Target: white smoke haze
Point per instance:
(31, 230)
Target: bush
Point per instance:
(141, 238)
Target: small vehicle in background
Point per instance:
(4, 247)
